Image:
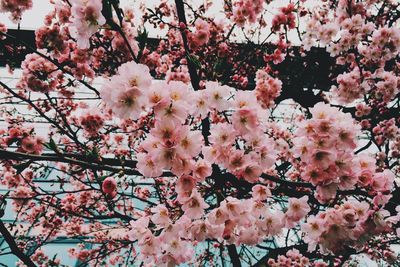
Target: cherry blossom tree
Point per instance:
(248, 133)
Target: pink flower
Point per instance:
(217, 95)
(32, 145)
(15, 7)
(237, 160)
(222, 134)
(202, 170)
(272, 223)
(218, 216)
(147, 166)
(322, 158)
(160, 216)
(139, 228)
(135, 75)
(251, 172)
(232, 206)
(109, 185)
(245, 121)
(171, 110)
(383, 181)
(249, 236)
(124, 92)
(86, 20)
(199, 230)
(190, 142)
(245, 99)
(260, 192)
(156, 94)
(194, 206)
(313, 228)
(166, 131)
(297, 209)
(200, 102)
(185, 185)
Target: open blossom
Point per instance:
(194, 205)
(298, 208)
(251, 172)
(86, 20)
(383, 181)
(202, 170)
(245, 120)
(160, 215)
(222, 134)
(201, 102)
(124, 92)
(32, 145)
(217, 95)
(272, 223)
(185, 185)
(148, 166)
(260, 192)
(139, 228)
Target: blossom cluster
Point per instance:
(294, 258)
(172, 144)
(51, 38)
(39, 74)
(25, 139)
(234, 222)
(285, 18)
(349, 87)
(15, 8)
(267, 88)
(348, 224)
(358, 42)
(201, 35)
(246, 11)
(386, 130)
(325, 144)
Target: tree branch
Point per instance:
(194, 77)
(14, 247)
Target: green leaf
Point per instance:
(142, 38)
(194, 60)
(21, 167)
(52, 145)
(107, 10)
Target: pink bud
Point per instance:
(109, 185)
